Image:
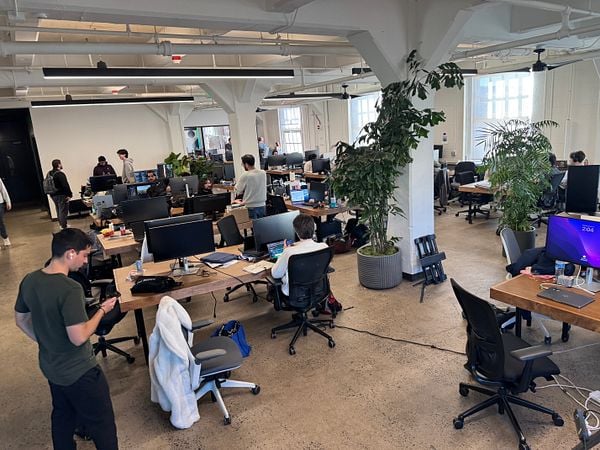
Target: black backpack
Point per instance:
(358, 232)
(49, 185)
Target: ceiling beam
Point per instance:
(285, 6)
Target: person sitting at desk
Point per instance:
(159, 187)
(308, 164)
(205, 187)
(575, 159)
(304, 226)
(103, 168)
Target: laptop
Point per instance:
(297, 196)
(102, 201)
(566, 297)
(275, 250)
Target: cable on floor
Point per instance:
(405, 341)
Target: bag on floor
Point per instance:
(235, 330)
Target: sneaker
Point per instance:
(6, 242)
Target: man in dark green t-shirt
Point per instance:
(50, 309)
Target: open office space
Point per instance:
(284, 81)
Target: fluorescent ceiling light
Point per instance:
(110, 101)
(62, 73)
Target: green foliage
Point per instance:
(201, 167)
(186, 165)
(517, 160)
(366, 171)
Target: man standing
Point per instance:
(263, 149)
(128, 176)
(253, 186)
(62, 193)
(103, 168)
(5, 205)
(50, 309)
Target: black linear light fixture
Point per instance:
(293, 96)
(363, 70)
(68, 101)
(101, 72)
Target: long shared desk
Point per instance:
(521, 291)
(217, 279)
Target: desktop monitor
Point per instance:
(178, 185)
(218, 172)
(321, 165)
(273, 229)
(228, 172)
(576, 241)
(119, 193)
(137, 190)
(309, 153)
(180, 239)
(141, 176)
(582, 189)
(440, 152)
(103, 182)
(317, 191)
(144, 209)
(294, 159)
(149, 224)
(208, 204)
(276, 161)
(216, 157)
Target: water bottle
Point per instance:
(332, 201)
(559, 269)
(139, 266)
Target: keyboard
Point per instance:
(565, 297)
(258, 267)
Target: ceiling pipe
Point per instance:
(164, 48)
(209, 38)
(547, 6)
(562, 33)
(304, 87)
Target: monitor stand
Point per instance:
(590, 284)
(182, 267)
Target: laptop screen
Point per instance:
(297, 196)
(275, 249)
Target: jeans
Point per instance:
(257, 213)
(85, 402)
(62, 209)
(3, 232)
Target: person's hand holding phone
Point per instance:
(108, 305)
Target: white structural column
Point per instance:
(175, 126)
(239, 99)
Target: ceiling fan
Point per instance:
(537, 66)
(344, 95)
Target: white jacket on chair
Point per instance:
(174, 374)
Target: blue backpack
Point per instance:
(235, 330)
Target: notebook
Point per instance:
(565, 297)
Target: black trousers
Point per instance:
(62, 209)
(85, 402)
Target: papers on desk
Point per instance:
(483, 184)
(224, 266)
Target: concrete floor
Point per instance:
(364, 393)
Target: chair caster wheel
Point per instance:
(315, 313)
(524, 446)
(256, 390)
(273, 335)
(130, 360)
(458, 423)
(463, 390)
(292, 351)
(548, 340)
(227, 421)
(558, 421)
(331, 343)
(331, 324)
(226, 298)
(255, 299)
(136, 341)
(565, 337)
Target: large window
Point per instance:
(491, 99)
(362, 111)
(290, 128)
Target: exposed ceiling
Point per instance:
(500, 35)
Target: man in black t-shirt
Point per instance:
(62, 194)
(50, 309)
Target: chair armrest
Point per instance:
(209, 354)
(330, 269)
(274, 281)
(102, 282)
(531, 353)
(201, 324)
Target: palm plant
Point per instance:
(517, 159)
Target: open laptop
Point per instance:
(275, 250)
(297, 196)
(565, 297)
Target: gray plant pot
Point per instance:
(379, 272)
(525, 239)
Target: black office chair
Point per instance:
(275, 205)
(309, 286)
(230, 235)
(476, 200)
(95, 292)
(501, 361)
(461, 166)
(441, 187)
(549, 200)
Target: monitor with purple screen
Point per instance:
(574, 240)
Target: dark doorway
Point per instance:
(19, 163)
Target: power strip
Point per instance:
(595, 396)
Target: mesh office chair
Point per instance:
(308, 287)
(548, 202)
(476, 200)
(461, 167)
(501, 361)
(230, 235)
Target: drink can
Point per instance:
(138, 265)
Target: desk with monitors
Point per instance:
(103, 182)
(211, 204)
(321, 165)
(187, 185)
(273, 229)
(135, 212)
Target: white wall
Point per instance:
(206, 117)
(451, 101)
(78, 135)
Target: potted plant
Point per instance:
(517, 160)
(366, 171)
(183, 165)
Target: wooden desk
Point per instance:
(192, 285)
(521, 291)
(117, 244)
(316, 212)
(474, 189)
(224, 187)
(315, 176)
